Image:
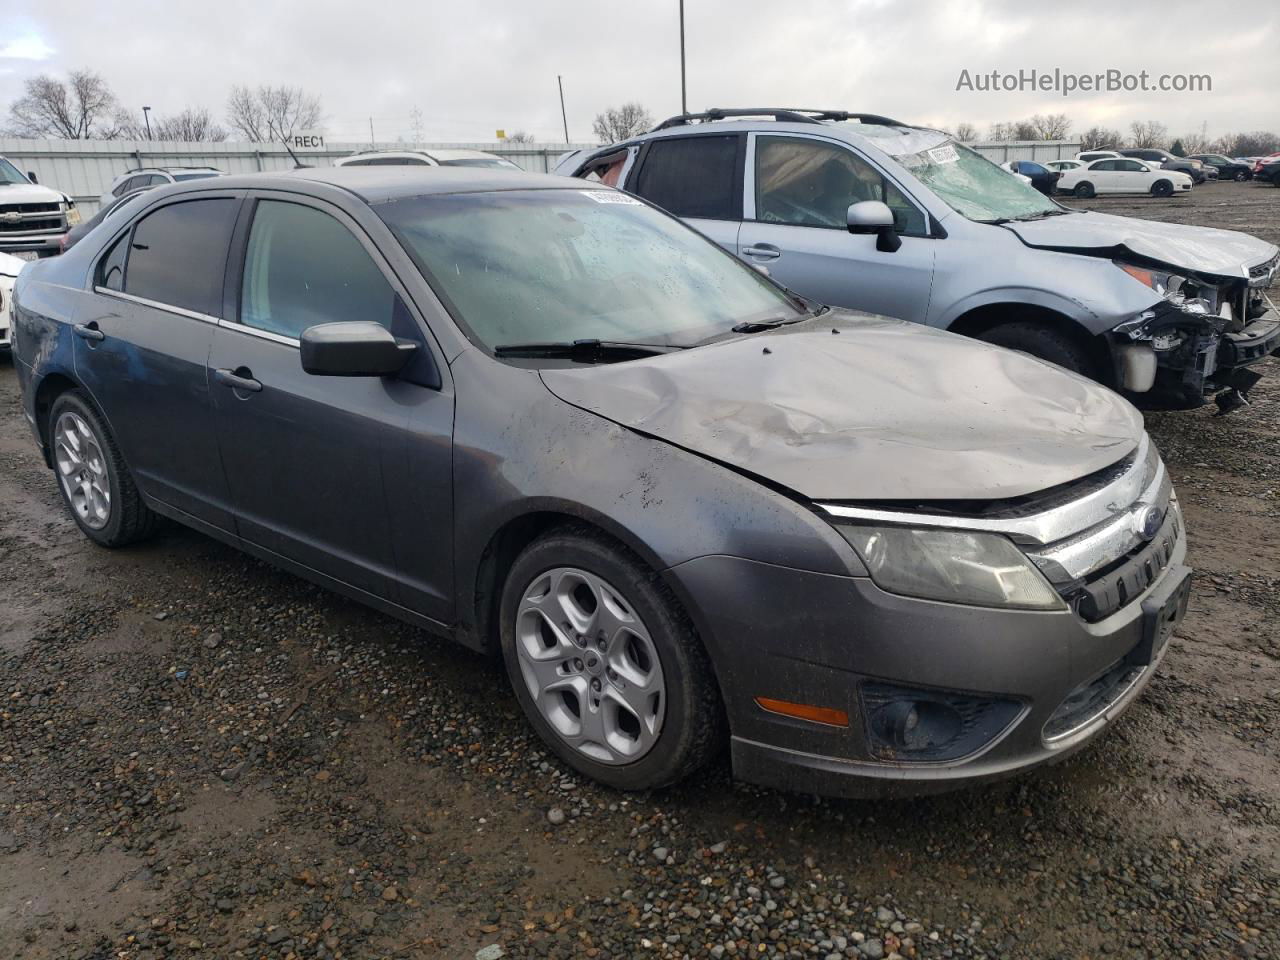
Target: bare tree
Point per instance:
(192, 125)
(966, 132)
(1146, 134)
(416, 124)
(1051, 126)
(619, 123)
(1260, 143)
(1000, 131)
(271, 113)
(1024, 130)
(79, 109)
(520, 136)
(1099, 138)
(1191, 144)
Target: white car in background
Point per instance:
(9, 267)
(1123, 175)
(426, 158)
(1062, 166)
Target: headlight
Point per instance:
(1187, 295)
(982, 569)
(73, 215)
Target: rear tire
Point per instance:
(572, 716)
(1161, 188)
(1084, 190)
(1045, 342)
(1241, 176)
(92, 477)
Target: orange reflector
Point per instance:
(1139, 274)
(805, 711)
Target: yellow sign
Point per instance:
(502, 134)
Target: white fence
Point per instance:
(85, 168)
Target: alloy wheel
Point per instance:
(590, 665)
(82, 470)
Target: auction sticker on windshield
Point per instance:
(945, 154)
(601, 196)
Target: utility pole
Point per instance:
(372, 142)
(563, 116)
(146, 115)
(684, 100)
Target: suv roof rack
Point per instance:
(784, 114)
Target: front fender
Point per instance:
(1090, 291)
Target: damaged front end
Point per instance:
(1201, 339)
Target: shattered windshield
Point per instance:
(976, 188)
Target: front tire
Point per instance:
(1241, 176)
(1084, 190)
(1161, 188)
(93, 478)
(605, 664)
(1045, 342)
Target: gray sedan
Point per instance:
(684, 506)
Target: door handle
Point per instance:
(89, 331)
(236, 381)
(762, 251)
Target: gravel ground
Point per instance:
(202, 756)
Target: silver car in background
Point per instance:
(943, 236)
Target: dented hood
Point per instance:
(882, 410)
(1223, 253)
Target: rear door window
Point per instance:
(810, 183)
(111, 266)
(303, 268)
(178, 254)
(697, 177)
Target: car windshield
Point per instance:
(555, 266)
(195, 176)
(9, 173)
(976, 188)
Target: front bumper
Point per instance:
(33, 242)
(817, 639)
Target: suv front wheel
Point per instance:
(1042, 341)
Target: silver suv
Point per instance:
(144, 178)
(861, 211)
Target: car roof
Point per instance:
(382, 183)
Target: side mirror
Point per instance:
(31, 175)
(353, 349)
(873, 216)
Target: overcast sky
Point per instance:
(472, 66)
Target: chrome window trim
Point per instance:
(167, 307)
(260, 334)
(1039, 529)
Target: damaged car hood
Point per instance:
(881, 410)
(1223, 253)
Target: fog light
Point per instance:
(931, 725)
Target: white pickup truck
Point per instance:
(32, 217)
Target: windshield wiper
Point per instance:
(589, 351)
(755, 326)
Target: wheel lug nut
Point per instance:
(595, 684)
(577, 665)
